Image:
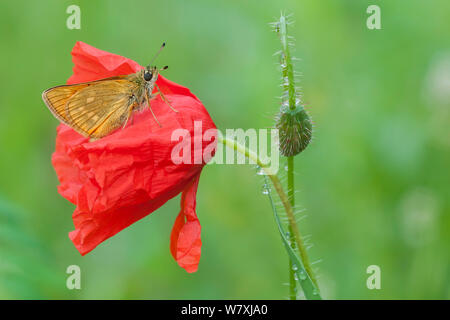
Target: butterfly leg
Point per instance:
(149, 106)
(163, 97)
(133, 104)
(128, 116)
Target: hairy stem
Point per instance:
(309, 288)
(295, 135)
(283, 197)
(287, 66)
(291, 191)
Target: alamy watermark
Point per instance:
(74, 279)
(374, 20)
(374, 280)
(74, 20)
(189, 149)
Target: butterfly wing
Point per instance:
(56, 98)
(99, 109)
(93, 109)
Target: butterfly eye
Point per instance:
(148, 76)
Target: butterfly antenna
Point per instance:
(156, 55)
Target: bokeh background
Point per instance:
(374, 183)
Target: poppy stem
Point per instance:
(295, 129)
(295, 234)
(291, 192)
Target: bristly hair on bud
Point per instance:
(292, 121)
(295, 130)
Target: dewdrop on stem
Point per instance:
(265, 189)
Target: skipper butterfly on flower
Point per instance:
(97, 108)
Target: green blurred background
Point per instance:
(374, 183)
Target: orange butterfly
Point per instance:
(97, 108)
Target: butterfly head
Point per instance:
(150, 74)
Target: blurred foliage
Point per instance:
(375, 180)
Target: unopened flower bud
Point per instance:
(295, 130)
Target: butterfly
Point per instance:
(97, 108)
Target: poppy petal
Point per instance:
(185, 241)
(92, 64)
(123, 177)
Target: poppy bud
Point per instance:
(293, 122)
(295, 130)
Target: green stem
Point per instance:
(309, 288)
(291, 190)
(290, 97)
(284, 199)
(287, 66)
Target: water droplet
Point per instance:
(265, 189)
(286, 168)
(294, 267)
(302, 275)
(288, 235)
(295, 277)
(260, 171)
(277, 27)
(315, 292)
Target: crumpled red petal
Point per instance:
(185, 242)
(93, 64)
(123, 177)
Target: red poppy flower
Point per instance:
(128, 174)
